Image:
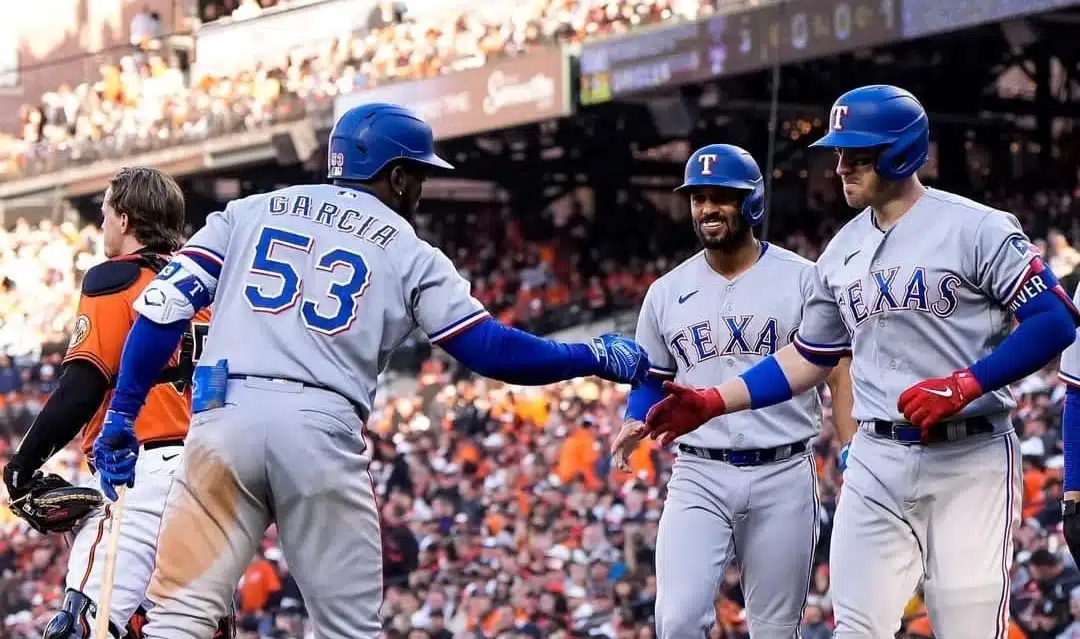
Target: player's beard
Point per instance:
(736, 235)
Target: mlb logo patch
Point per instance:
(1023, 247)
(337, 164)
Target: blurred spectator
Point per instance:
(1063, 257)
(145, 27)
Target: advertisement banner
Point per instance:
(739, 42)
(499, 95)
(926, 17)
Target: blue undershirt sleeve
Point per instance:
(147, 351)
(644, 397)
(517, 357)
(1048, 322)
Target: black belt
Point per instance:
(746, 457)
(163, 443)
(360, 410)
(940, 433)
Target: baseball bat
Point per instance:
(108, 570)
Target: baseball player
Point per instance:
(745, 485)
(143, 217)
(313, 287)
(922, 287)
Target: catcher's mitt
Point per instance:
(52, 505)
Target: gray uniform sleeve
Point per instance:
(651, 338)
(822, 330)
(1002, 257)
(1070, 359)
(440, 298)
(211, 241)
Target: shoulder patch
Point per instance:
(79, 331)
(110, 277)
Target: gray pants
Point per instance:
(944, 513)
(277, 452)
(764, 516)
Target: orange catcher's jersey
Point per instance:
(101, 328)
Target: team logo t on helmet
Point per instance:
(881, 115)
(726, 165)
(368, 137)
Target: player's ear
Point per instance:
(399, 178)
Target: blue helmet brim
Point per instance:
(434, 160)
(854, 140)
(741, 185)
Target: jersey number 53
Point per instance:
(337, 309)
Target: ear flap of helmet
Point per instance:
(903, 157)
(753, 205)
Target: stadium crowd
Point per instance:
(149, 98)
(502, 515)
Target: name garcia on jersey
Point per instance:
(738, 335)
(345, 220)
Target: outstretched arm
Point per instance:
(517, 357)
(773, 380)
(442, 306)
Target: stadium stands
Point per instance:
(502, 517)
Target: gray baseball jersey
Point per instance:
(704, 329)
(1069, 368)
(320, 284)
(929, 296)
(932, 295)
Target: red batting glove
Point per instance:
(933, 400)
(682, 411)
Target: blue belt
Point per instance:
(746, 457)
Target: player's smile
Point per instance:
(714, 224)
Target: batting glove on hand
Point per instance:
(621, 359)
(933, 400)
(115, 452)
(682, 411)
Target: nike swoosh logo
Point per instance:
(683, 298)
(169, 457)
(945, 392)
(848, 258)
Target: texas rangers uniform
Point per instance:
(743, 487)
(929, 296)
(298, 266)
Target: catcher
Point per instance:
(143, 213)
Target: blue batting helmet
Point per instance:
(368, 137)
(726, 165)
(885, 116)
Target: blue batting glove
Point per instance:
(843, 456)
(115, 452)
(621, 359)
